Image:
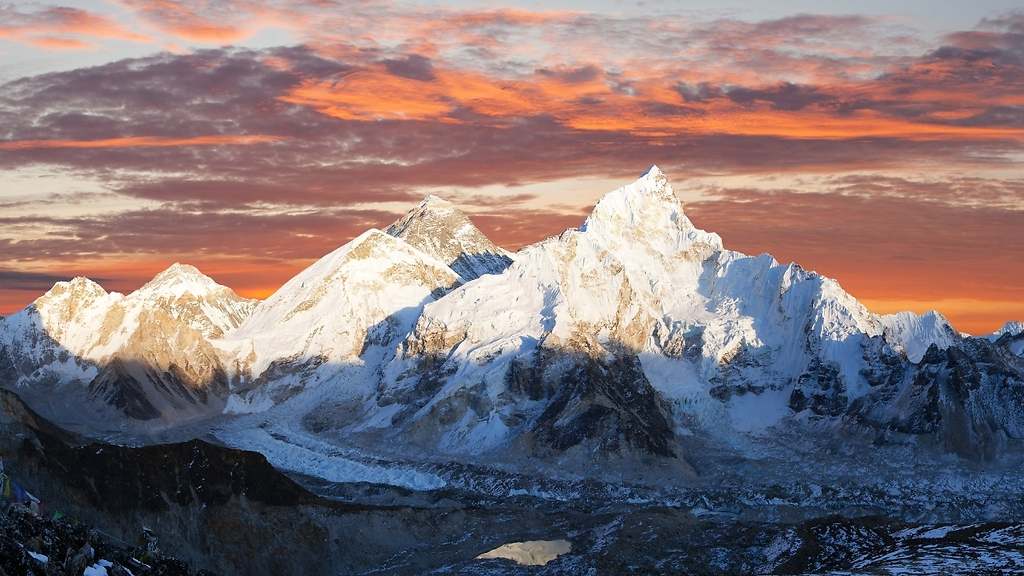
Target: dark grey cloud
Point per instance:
(413, 66)
(784, 96)
(574, 75)
(35, 281)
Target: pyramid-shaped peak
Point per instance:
(646, 211)
(654, 183)
(178, 279)
(178, 270)
(649, 194)
(653, 172)
(434, 201)
(439, 228)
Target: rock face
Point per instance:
(146, 355)
(440, 229)
(969, 398)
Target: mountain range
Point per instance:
(636, 337)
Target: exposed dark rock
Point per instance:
(607, 403)
(822, 390)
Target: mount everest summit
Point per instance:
(636, 336)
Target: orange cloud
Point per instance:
(810, 125)
(375, 94)
(74, 21)
(140, 142)
(594, 104)
(208, 32)
(207, 22)
(50, 27)
(58, 43)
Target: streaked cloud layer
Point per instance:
(251, 136)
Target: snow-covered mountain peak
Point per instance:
(194, 299)
(69, 315)
(179, 279)
(372, 258)
(439, 228)
(648, 212)
(1012, 327)
(914, 334)
(65, 302)
(77, 288)
(436, 203)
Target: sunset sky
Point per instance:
(883, 147)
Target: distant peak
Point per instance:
(78, 284)
(438, 228)
(179, 278)
(653, 172)
(430, 200)
(79, 290)
(178, 271)
(84, 282)
(432, 212)
(1013, 328)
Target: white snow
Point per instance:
(373, 283)
(529, 553)
(304, 454)
(41, 558)
(97, 569)
(639, 274)
(81, 318)
(1012, 328)
(914, 334)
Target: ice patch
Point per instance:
(97, 569)
(529, 553)
(757, 412)
(321, 461)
